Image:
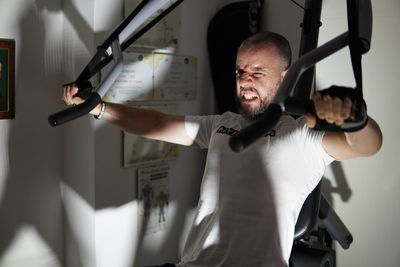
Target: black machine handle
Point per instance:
(358, 118)
(86, 91)
(85, 88)
(75, 112)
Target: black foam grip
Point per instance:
(85, 89)
(261, 127)
(357, 121)
(74, 112)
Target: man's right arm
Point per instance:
(144, 122)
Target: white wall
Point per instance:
(284, 17)
(364, 191)
(30, 169)
(77, 141)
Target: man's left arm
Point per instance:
(344, 145)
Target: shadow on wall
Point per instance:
(70, 11)
(30, 209)
(342, 187)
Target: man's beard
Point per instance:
(251, 115)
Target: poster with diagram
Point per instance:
(153, 197)
(139, 150)
(165, 34)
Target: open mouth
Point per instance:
(248, 96)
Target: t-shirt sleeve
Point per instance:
(199, 128)
(311, 142)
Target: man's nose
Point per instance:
(244, 78)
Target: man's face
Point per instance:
(259, 72)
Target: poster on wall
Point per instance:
(163, 35)
(155, 77)
(138, 150)
(135, 83)
(174, 77)
(7, 76)
(153, 197)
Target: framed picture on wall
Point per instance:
(7, 79)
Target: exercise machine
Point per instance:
(313, 242)
(318, 224)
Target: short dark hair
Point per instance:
(271, 38)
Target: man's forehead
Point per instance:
(257, 58)
(256, 61)
(252, 67)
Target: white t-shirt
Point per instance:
(250, 201)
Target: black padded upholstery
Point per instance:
(309, 214)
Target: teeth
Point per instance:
(249, 97)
